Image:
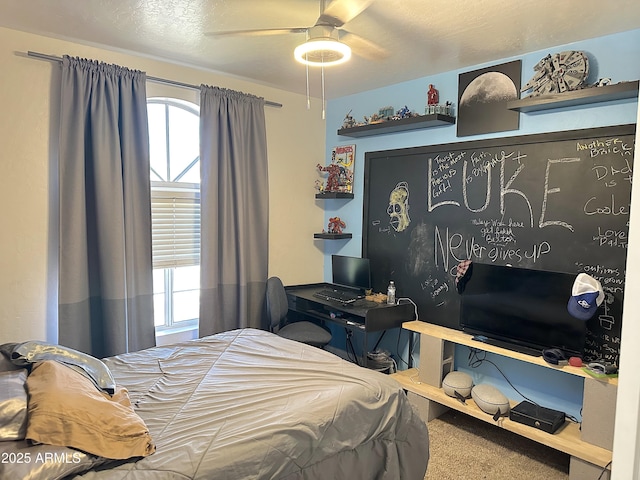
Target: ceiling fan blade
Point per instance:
(259, 32)
(340, 12)
(363, 47)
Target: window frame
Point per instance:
(183, 190)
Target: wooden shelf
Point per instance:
(332, 236)
(461, 338)
(566, 439)
(326, 195)
(390, 126)
(426, 381)
(584, 96)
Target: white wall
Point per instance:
(28, 176)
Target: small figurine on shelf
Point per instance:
(336, 225)
(319, 186)
(385, 113)
(375, 118)
(349, 121)
(448, 108)
(432, 95)
(333, 180)
(433, 103)
(404, 112)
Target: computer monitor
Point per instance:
(351, 272)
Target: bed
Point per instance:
(247, 404)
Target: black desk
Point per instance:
(362, 315)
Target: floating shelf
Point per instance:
(325, 195)
(332, 236)
(390, 126)
(584, 96)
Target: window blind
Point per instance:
(175, 227)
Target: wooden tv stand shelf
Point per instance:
(437, 345)
(461, 338)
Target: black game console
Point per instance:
(535, 416)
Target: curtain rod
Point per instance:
(52, 58)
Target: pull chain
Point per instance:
(323, 101)
(308, 98)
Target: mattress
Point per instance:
(247, 404)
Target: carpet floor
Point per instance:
(464, 447)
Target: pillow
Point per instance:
(5, 363)
(66, 409)
(43, 462)
(13, 405)
(26, 353)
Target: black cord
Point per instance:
(350, 348)
(604, 470)
(398, 347)
(379, 340)
(412, 348)
(412, 339)
(475, 361)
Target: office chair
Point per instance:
(277, 309)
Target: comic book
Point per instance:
(344, 156)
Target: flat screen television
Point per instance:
(521, 309)
(351, 272)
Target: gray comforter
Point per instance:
(248, 404)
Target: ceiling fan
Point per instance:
(328, 43)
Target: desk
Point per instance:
(362, 315)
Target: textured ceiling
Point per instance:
(421, 37)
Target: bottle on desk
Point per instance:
(391, 293)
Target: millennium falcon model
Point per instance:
(558, 73)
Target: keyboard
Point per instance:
(337, 295)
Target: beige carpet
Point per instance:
(464, 447)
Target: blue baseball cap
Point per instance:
(586, 297)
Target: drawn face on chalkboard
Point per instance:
(398, 209)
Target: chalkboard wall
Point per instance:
(557, 202)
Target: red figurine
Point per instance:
(432, 96)
(333, 180)
(336, 225)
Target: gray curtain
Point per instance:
(105, 297)
(234, 210)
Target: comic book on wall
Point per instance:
(342, 156)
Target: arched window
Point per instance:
(174, 141)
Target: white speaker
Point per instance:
(459, 382)
(489, 399)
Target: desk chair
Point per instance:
(277, 309)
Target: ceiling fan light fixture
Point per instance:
(322, 52)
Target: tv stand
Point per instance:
(588, 444)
